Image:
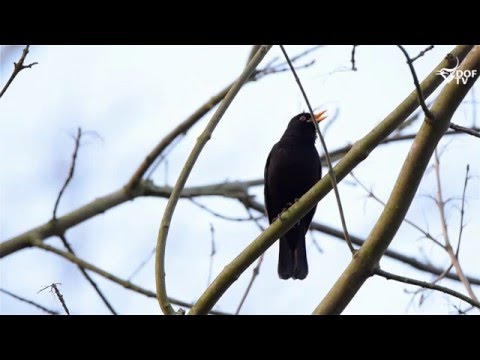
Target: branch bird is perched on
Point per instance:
(292, 168)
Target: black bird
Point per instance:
(292, 168)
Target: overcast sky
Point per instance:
(128, 97)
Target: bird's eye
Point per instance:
(303, 118)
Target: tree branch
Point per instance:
(366, 260)
(428, 114)
(427, 285)
(17, 68)
(469, 131)
(88, 278)
(448, 246)
(43, 308)
(70, 172)
(126, 284)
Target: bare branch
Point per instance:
(411, 223)
(124, 283)
(421, 53)
(54, 289)
(187, 168)
(443, 221)
(43, 308)
(89, 279)
(19, 66)
(327, 157)
(428, 114)
(221, 216)
(255, 272)
(462, 211)
(427, 285)
(256, 269)
(212, 253)
(70, 172)
(469, 131)
(352, 59)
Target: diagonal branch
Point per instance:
(70, 172)
(473, 132)
(427, 285)
(89, 279)
(19, 66)
(421, 99)
(325, 150)
(22, 299)
(182, 179)
(124, 283)
(448, 246)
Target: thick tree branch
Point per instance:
(367, 258)
(356, 155)
(184, 174)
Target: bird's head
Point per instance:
(302, 124)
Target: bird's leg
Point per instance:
(287, 206)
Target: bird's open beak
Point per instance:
(320, 116)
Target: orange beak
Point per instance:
(320, 116)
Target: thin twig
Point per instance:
(352, 59)
(220, 216)
(327, 157)
(141, 265)
(372, 195)
(187, 168)
(124, 283)
(427, 285)
(443, 221)
(212, 253)
(256, 269)
(70, 172)
(465, 130)
(421, 53)
(462, 210)
(43, 308)
(89, 279)
(255, 272)
(17, 68)
(54, 289)
(428, 114)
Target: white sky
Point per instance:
(131, 96)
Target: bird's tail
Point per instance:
(292, 258)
